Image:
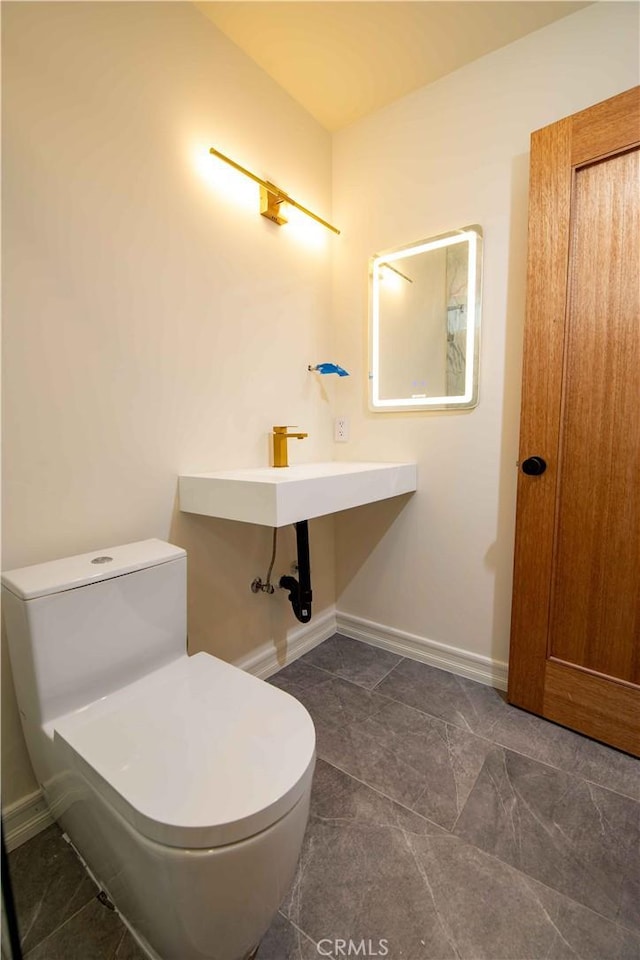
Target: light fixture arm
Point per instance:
(272, 196)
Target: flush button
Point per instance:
(102, 560)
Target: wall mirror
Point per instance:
(425, 324)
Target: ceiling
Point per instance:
(341, 59)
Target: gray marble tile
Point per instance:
(93, 933)
(608, 767)
(49, 885)
(484, 711)
(298, 675)
(550, 743)
(535, 737)
(283, 941)
(581, 933)
(426, 764)
(372, 871)
(464, 703)
(128, 948)
(350, 822)
(543, 866)
(491, 911)
(330, 700)
(337, 796)
(357, 878)
(358, 662)
(574, 836)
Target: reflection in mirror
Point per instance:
(425, 324)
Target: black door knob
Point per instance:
(534, 466)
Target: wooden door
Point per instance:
(575, 641)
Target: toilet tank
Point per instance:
(82, 627)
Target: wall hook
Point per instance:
(329, 368)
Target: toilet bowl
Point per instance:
(183, 782)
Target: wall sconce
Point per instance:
(272, 197)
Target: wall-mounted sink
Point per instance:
(277, 496)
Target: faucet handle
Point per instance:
(285, 427)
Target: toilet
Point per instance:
(182, 781)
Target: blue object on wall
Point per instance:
(330, 368)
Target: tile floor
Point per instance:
(444, 824)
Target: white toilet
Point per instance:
(182, 781)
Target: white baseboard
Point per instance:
(28, 816)
(474, 666)
(265, 661)
(25, 818)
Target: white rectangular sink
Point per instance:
(277, 496)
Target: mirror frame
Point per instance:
(468, 400)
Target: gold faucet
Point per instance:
(280, 437)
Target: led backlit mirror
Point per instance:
(425, 324)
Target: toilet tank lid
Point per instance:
(56, 576)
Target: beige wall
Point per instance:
(150, 325)
(451, 154)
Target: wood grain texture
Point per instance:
(609, 126)
(593, 705)
(575, 644)
(595, 618)
(549, 225)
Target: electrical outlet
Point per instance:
(341, 430)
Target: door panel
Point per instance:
(595, 605)
(576, 607)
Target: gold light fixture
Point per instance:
(272, 197)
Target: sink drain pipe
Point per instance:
(300, 593)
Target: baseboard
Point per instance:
(25, 818)
(30, 815)
(266, 660)
(474, 666)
